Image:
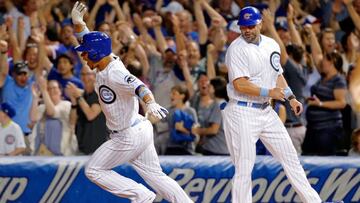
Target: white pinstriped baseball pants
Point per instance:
(135, 145)
(243, 126)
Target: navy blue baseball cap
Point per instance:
(21, 67)
(8, 109)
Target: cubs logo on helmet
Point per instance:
(249, 16)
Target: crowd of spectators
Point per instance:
(176, 47)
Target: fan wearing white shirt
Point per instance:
(11, 136)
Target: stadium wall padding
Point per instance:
(205, 179)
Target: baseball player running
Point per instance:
(255, 76)
(131, 135)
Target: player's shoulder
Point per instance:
(118, 73)
(237, 45)
(268, 40)
(117, 67)
(238, 42)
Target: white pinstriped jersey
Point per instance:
(260, 63)
(115, 87)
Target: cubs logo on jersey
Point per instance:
(275, 61)
(107, 95)
(10, 139)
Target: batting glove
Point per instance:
(77, 13)
(156, 110)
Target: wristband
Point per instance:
(141, 91)
(264, 92)
(288, 92)
(4, 52)
(144, 92)
(82, 33)
(73, 106)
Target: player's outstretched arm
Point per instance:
(77, 15)
(145, 94)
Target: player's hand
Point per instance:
(296, 106)
(77, 13)
(277, 93)
(156, 110)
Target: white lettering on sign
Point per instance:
(11, 188)
(340, 182)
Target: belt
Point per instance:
(137, 121)
(293, 125)
(254, 105)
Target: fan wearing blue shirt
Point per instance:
(63, 72)
(17, 91)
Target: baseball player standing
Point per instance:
(131, 135)
(255, 76)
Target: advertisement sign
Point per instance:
(205, 179)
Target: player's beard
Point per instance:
(250, 38)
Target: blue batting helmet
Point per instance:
(96, 44)
(249, 16)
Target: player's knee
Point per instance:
(92, 173)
